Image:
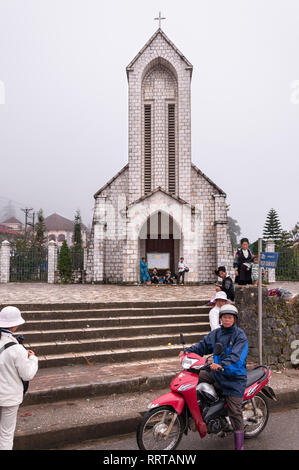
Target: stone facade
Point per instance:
(280, 323)
(4, 261)
(159, 77)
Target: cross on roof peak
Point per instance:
(160, 18)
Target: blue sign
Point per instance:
(268, 260)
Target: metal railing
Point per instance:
(29, 265)
(287, 265)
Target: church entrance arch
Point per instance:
(160, 240)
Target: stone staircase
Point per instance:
(91, 353)
(73, 334)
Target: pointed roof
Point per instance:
(159, 31)
(199, 172)
(57, 222)
(111, 181)
(11, 220)
(146, 196)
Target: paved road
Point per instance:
(281, 433)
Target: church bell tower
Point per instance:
(159, 79)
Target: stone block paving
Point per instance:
(19, 293)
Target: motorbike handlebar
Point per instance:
(208, 367)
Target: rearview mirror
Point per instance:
(218, 349)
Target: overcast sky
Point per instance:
(63, 126)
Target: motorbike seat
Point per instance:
(254, 375)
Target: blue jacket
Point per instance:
(144, 275)
(233, 358)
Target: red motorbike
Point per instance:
(201, 407)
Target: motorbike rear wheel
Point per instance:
(152, 430)
(256, 419)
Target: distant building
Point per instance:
(8, 234)
(13, 224)
(59, 228)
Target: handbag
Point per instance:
(24, 382)
(186, 269)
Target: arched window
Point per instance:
(61, 237)
(159, 95)
(52, 237)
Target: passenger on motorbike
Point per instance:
(233, 360)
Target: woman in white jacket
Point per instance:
(220, 300)
(16, 364)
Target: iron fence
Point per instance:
(77, 257)
(287, 265)
(29, 265)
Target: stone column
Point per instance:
(98, 248)
(84, 258)
(223, 246)
(270, 248)
(52, 260)
(4, 262)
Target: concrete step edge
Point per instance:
(109, 340)
(130, 317)
(113, 328)
(74, 434)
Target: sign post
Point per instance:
(260, 304)
(266, 260)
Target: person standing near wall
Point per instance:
(144, 275)
(227, 285)
(16, 364)
(242, 263)
(182, 268)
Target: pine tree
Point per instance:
(77, 249)
(272, 227)
(295, 233)
(77, 236)
(285, 240)
(65, 263)
(40, 229)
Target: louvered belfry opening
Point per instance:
(147, 149)
(171, 148)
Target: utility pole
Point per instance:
(26, 211)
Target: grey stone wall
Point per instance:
(280, 325)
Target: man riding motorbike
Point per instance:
(232, 380)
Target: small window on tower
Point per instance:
(171, 148)
(147, 149)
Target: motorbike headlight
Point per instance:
(187, 362)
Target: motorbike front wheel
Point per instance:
(160, 429)
(255, 416)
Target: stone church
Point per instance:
(160, 205)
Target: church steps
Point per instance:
(39, 315)
(120, 355)
(102, 344)
(110, 332)
(75, 306)
(83, 323)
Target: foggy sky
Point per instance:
(64, 124)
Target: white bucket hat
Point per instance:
(221, 295)
(10, 316)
